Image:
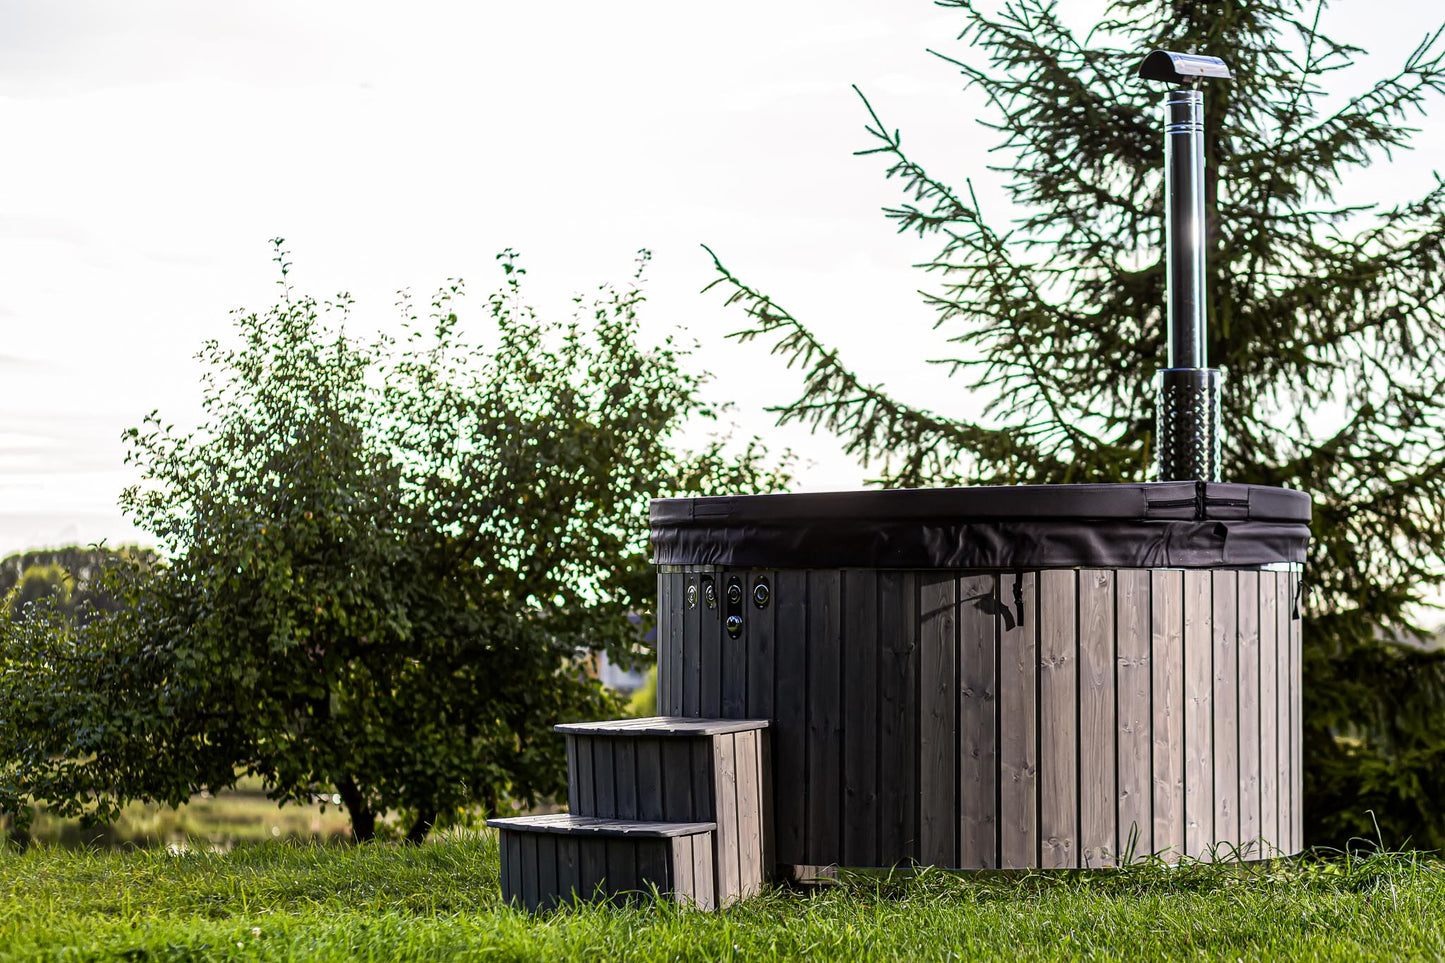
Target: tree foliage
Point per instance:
(386, 561)
(1326, 317)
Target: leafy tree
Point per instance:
(77, 567)
(1327, 318)
(386, 562)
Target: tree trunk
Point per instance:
(424, 820)
(363, 820)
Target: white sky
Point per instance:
(152, 147)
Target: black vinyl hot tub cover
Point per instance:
(1159, 525)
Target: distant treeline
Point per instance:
(70, 576)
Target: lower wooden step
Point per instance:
(555, 860)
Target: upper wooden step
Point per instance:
(565, 824)
(661, 726)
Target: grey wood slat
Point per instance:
(1058, 720)
(678, 804)
(859, 797)
(684, 890)
(604, 777)
(765, 794)
(1167, 662)
(569, 869)
(735, 655)
(680, 726)
(531, 870)
(648, 757)
(664, 629)
(512, 843)
(1098, 825)
(937, 719)
(572, 793)
(1198, 713)
(1226, 713)
(790, 715)
(1297, 702)
(750, 812)
(897, 717)
(702, 871)
(547, 871)
(700, 760)
(825, 716)
(621, 869)
(1134, 678)
(1249, 736)
(692, 647)
(675, 645)
(978, 738)
(654, 857)
(1018, 721)
(594, 868)
(724, 766)
(1268, 715)
(624, 763)
(759, 627)
(710, 703)
(586, 803)
(1284, 674)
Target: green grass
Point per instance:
(282, 901)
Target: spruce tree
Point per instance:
(1327, 317)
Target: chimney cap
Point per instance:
(1179, 68)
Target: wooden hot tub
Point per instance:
(1035, 676)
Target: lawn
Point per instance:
(289, 901)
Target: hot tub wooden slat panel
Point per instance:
(1296, 727)
(1226, 712)
(1018, 722)
(649, 779)
(667, 661)
(1284, 674)
(790, 713)
(1167, 662)
(734, 656)
(1250, 807)
(604, 779)
(1098, 826)
(1135, 728)
(1198, 714)
(937, 745)
(897, 708)
(861, 643)
(692, 647)
(1268, 714)
(725, 805)
(624, 762)
(978, 742)
(825, 719)
(710, 700)
(1058, 720)
(761, 636)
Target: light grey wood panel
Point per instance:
(734, 652)
(724, 766)
(1098, 823)
(1250, 808)
(1297, 703)
(1198, 713)
(649, 778)
(761, 632)
(825, 716)
(1018, 721)
(1134, 677)
(1226, 713)
(977, 718)
(765, 790)
(703, 875)
(1268, 714)
(860, 719)
(1058, 720)
(790, 715)
(710, 702)
(1284, 674)
(604, 785)
(750, 812)
(684, 888)
(1167, 662)
(624, 763)
(898, 717)
(694, 607)
(547, 870)
(937, 738)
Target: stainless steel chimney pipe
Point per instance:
(1187, 425)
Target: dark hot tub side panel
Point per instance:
(1004, 720)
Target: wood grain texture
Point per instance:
(898, 717)
(692, 646)
(1226, 713)
(1134, 678)
(683, 885)
(824, 831)
(1250, 809)
(710, 701)
(1268, 714)
(1098, 821)
(621, 869)
(937, 736)
(1297, 717)
(977, 718)
(586, 802)
(703, 874)
(547, 871)
(1018, 721)
(1167, 662)
(648, 755)
(569, 870)
(727, 869)
(790, 720)
(1058, 720)
(624, 764)
(761, 633)
(594, 869)
(1198, 714)
(735, 655)
(1285, 675)
(678, 802)
(859, 797)
(750, 812)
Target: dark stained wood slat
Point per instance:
(750, 811)
(790, 714)
(937, 708)
(1098, 825)
(531, 871)
(677, 799)
(978, 739)
(825, 716)
(1134, 678)
(665, 662)
(654, 858)
(513, 874)
(700, 768)
(1198, 713)
(586, 801)
(760, 631)
(897, 711)
(1226, 713)
(1058, 720)
(648, 757)
(594, 868)
(710, 704)
(676, 634)
(692, 646)
(1018, 721)
(621, 869)
(604, 777)
(1167, 662)
(547, 870)
(1268, 715)
(1284, 674)
(1297, 717)
(1250, 807)
(724, 764)
(624, 763)
(734, 704)
(572, 793)
(569, 869)
(859, 797)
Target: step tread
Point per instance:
(661, 726)
(566, 824)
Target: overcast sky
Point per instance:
(153, 146)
